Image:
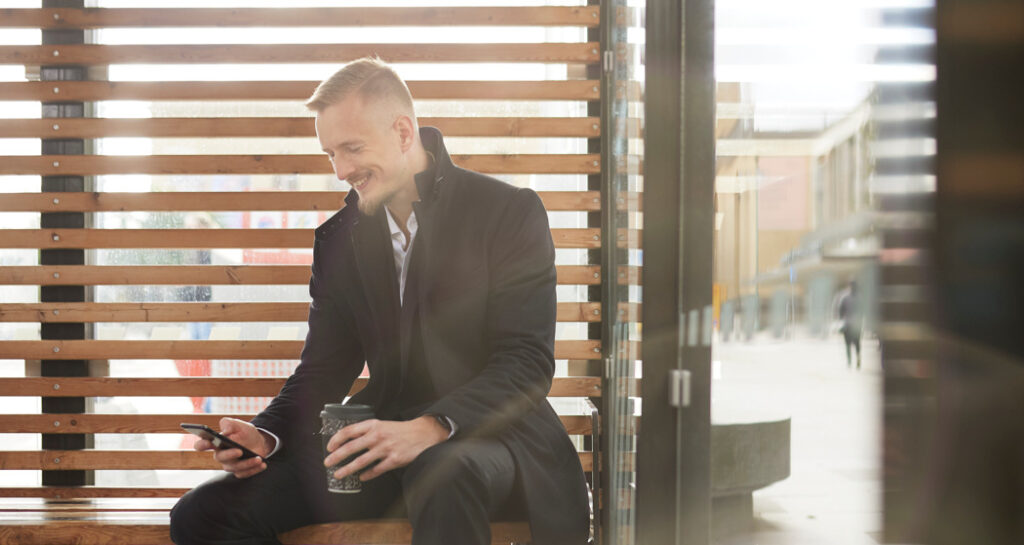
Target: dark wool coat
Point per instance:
(486, 309)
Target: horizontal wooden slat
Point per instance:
(95, 165)
(205, 312)
(107, 423)
(199, 350)
(999, 24)
(297, 53)
(277, 127)
(58, 18)
(107, 459)
(212, 238)
(106, 528)
(212, 386)
(76, 506)
(64, 492)
(85, 532)
(178, 275)
(161, 423)
(289, 90)
(128, 459)
(982, 175)
(554, 201)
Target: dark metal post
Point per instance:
(673, 454)
(63, 220)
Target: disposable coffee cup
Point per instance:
(336, 416)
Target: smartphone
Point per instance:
(219, 441)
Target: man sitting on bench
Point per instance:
(442, 281)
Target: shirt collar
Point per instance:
(411, 224)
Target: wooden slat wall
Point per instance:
(521, 133)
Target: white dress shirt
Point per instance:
(402, 248)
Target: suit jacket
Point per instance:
(486, 309)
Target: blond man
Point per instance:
(442, 281)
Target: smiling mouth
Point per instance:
(359, 181)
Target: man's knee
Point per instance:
(443, 465)
(212, 511)
(458, 470)
(192, 513)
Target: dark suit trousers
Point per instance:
(450, 493)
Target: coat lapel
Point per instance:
(376, 265)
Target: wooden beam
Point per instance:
(205, 312)
(64, 492)
(96, 165)
(554, 201)
(188, 275)
(163, 423)
(61, 532)
(277, 127)
(92, 54)
(214, 238)
(125, 459)
(200, 350)
(213, 386)
(77, 18)
(983, 175)
(580, 90)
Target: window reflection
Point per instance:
(804, 93)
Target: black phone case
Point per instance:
(219, 441)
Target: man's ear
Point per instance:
(406, 132)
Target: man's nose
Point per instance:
(342, 169)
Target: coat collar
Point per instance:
(429, 182)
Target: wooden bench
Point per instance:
(53, 515)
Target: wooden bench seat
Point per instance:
(134, 515)
(88, 522)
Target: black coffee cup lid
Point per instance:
(348, 411)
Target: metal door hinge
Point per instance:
(679, 388)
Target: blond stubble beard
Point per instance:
(370, 207)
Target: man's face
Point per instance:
(365, 146)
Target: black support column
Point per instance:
(673, 451)
(64, 220)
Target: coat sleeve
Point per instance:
(520, 325)
(331, 359)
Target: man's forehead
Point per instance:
(342, 123)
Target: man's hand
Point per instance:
(391, 444)
(246, 435)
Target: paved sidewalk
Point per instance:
(833, 496)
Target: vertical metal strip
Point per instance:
(63, 331)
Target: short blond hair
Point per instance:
(370, 77)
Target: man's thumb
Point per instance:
(229, 426)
